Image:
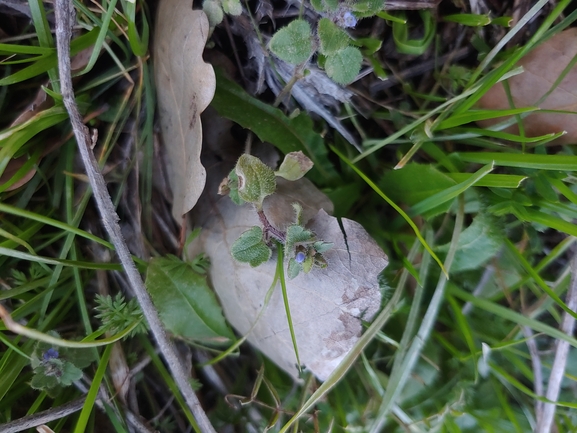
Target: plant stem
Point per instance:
(269, 230)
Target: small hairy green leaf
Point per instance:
(325, 5)
(213, 11)
(331, 37)
(187, 306)
(368, 8)
(256, 180)
(322, 247)
(344, 65)
(250, 248)
(232, 7)
(296, 234)
(294, 166)
(293, 42)
(294, 268)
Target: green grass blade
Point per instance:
(93, 392)
(12, 210)
(540, 162)
(280, 271)
(100, 38)
(513, 316)
(50, 261)
(537, 278)
(393, 205)
(476, 115)
(396, 383)
(450, 193)
(510, 181)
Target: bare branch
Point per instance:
(44, 417)
(64, 21)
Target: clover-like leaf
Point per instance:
(256, 180)
(250, 248)
(293, 43)
(294, 166)
(344, 65)
(332, 38)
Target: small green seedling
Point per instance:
(341, 60)
(57, 367)
(251, 181)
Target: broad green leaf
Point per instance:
(250, 248)
(293, 43)
(256, 180)
(477, 244)
(332, 38)
(343, 66)
(271, 125)
(414, 183)
(187, 306)
(429, 205)
(294, 166)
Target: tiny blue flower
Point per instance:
(349, 20)
(50, 354)
(300, 257)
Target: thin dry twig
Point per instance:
(44, 417)
(64, 21)
(545, 421)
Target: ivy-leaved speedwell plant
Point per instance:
(296, 43)
(251, 181)
(337, 54)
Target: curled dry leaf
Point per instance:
(185, 86)
(326, 305)
(542, 67)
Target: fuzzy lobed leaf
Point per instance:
(293, 42)
(294, 166)
(332, 38)
(343, 66)
(256, 180)
(250, 248)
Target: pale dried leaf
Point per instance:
(542, 67)
(185, 86)
(326, 305)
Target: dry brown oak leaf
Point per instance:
(327, 305)
(185, 86)
(542, 67)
